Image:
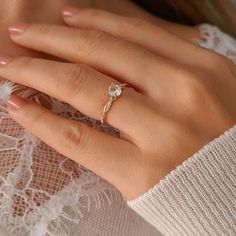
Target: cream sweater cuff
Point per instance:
(199, 196)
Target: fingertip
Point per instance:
(15, 103)
(18, 29)
(69, 12)
(5, 59)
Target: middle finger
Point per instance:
(116, 57)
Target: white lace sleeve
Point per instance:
(43, 193)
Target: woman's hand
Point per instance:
(184, 96)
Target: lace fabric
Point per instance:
(43, 192)
(216, 40)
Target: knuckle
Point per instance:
(90, 41)
(130, 25)
(22, 62)
(75, 81)
(137, 23)
(184, 74)
(34, 120)
(71, 136)
(219, 67)
(216, 60)
(195, 93)
(93, 13)
(194, 89)
(41, 29)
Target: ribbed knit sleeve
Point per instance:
(199, 196)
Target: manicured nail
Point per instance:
(15, 103)
(18, 29)
(69, 12)
(4, 60)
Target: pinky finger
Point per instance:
(109, 157)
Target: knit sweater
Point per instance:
(199, 196)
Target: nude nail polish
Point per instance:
(15, 103)
(4, 60)
(18, 29)
(69, 12)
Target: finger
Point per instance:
(135, 30)
(116, 57)
(82, 87)
(109, 157)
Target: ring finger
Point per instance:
(82, 87)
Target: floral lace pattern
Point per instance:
(38, 184)
(45, 193)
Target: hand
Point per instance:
(183, 97)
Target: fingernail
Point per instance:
(69, 12)
(15, 103)
(4, 60)
(18, 29)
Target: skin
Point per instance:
(178, 102)
(50, 12)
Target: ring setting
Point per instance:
(114, 92)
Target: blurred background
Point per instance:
(216, 12)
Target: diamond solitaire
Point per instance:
(114, 92)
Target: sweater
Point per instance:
(199, 196)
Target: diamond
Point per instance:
(115, 90)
